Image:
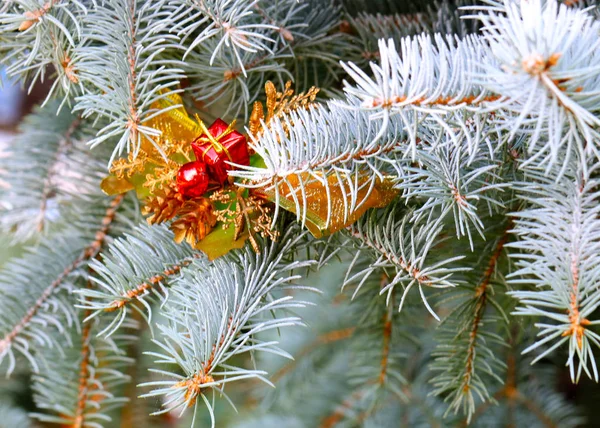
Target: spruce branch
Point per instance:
(465, 353)
(525, 398)
(125, 66)
(448, 17)
(429, 77)
(416, 408)
(558, 255)
(136, 268)
(84, 371)
(40, 34)
(223, 80)
(317, 44)
(25, 320)
(305, 48)
(398, 248)
(546, 70)
(340, 412)
(234, 27)
(215, 312)
(379, 346)
(439, 119)
(368, 29)
(452, 182)
(311, 383)
(496, 72)
(327, 338)
(88, 395)
(47, 172)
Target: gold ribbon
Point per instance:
(179, 115)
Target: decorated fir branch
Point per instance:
(185, 178)
(402, 197)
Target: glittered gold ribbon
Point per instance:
(317, 199)
(178, 114)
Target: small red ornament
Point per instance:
(192, 179)
(220, 144)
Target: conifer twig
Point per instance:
(481, 296)
(144, 287)
(89, 252)
(79, 419)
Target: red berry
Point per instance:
(192, 179)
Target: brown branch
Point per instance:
(139, 290)
(64, 144)
(533, 408)
(134, 119)
(413, 271)
(510, 392)
(481, 409)
(234, 73)
(339, 413)
(129, 415)
(84, 371)
(331, 420)
(69, 69)
(89, 252)
(577, 325)
(32, 17)
(440, 101)
(361, 154)
(539, 67)
(387, 336)
(195, 384)
(481, 294)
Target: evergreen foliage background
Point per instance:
(471, 300)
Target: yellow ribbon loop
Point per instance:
(179, 115)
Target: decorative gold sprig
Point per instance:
(125, 168)
(278, 104)
(245, 210)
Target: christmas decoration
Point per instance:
(219, 145)
(192, 179)
(176, 172)
(173, 174)
(157, 162)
